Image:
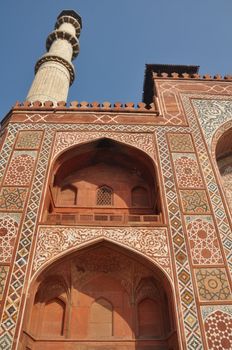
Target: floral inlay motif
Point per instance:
(12, 198)
(29, 139)
(180, 142)
(52, 241)
(194, 201)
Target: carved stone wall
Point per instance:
(196, 234)
(54, 242)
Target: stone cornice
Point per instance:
(60, 34)
(87, 106)
(184, 76)
(69, 19)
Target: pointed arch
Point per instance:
(101, 319)
(150, 320)
(66, 141)
(102, 283)
(118, 237)
(53, 315)
(222, 154)
(68, 195)
(49, 307)
(121, 175)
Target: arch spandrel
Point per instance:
(213, 113)
(56, 242)
(69, 139)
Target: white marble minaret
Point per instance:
(54, 71)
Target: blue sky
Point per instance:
(118, 38)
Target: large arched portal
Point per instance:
(101, 297)
(103, 182)
(224, 161)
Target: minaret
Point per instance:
(54, 71)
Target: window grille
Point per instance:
(104, 196)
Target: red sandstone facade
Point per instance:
(116, 220)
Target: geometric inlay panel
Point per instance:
(180, 143)
(213, 113)
(12, 198)
(187, 170)
(20, 168)
(8, 230)
(184, 282)
(3, 276)
(212, 284)
(203, 241)
(29, 139)
(52, 241)
(194, 202)
(6, 150)
(218, 326)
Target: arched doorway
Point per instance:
(224, 162)
(101, 297)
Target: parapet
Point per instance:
(87, 106)
(168, 71)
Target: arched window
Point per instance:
(149, 318)
(49, 308)
(101, 319)
(68, 195)
(139, 197)
(53, 318)
(104, 196)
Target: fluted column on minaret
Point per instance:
(54, 71)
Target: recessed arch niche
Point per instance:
(102, 295)
(103, 180)
(223, 155)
